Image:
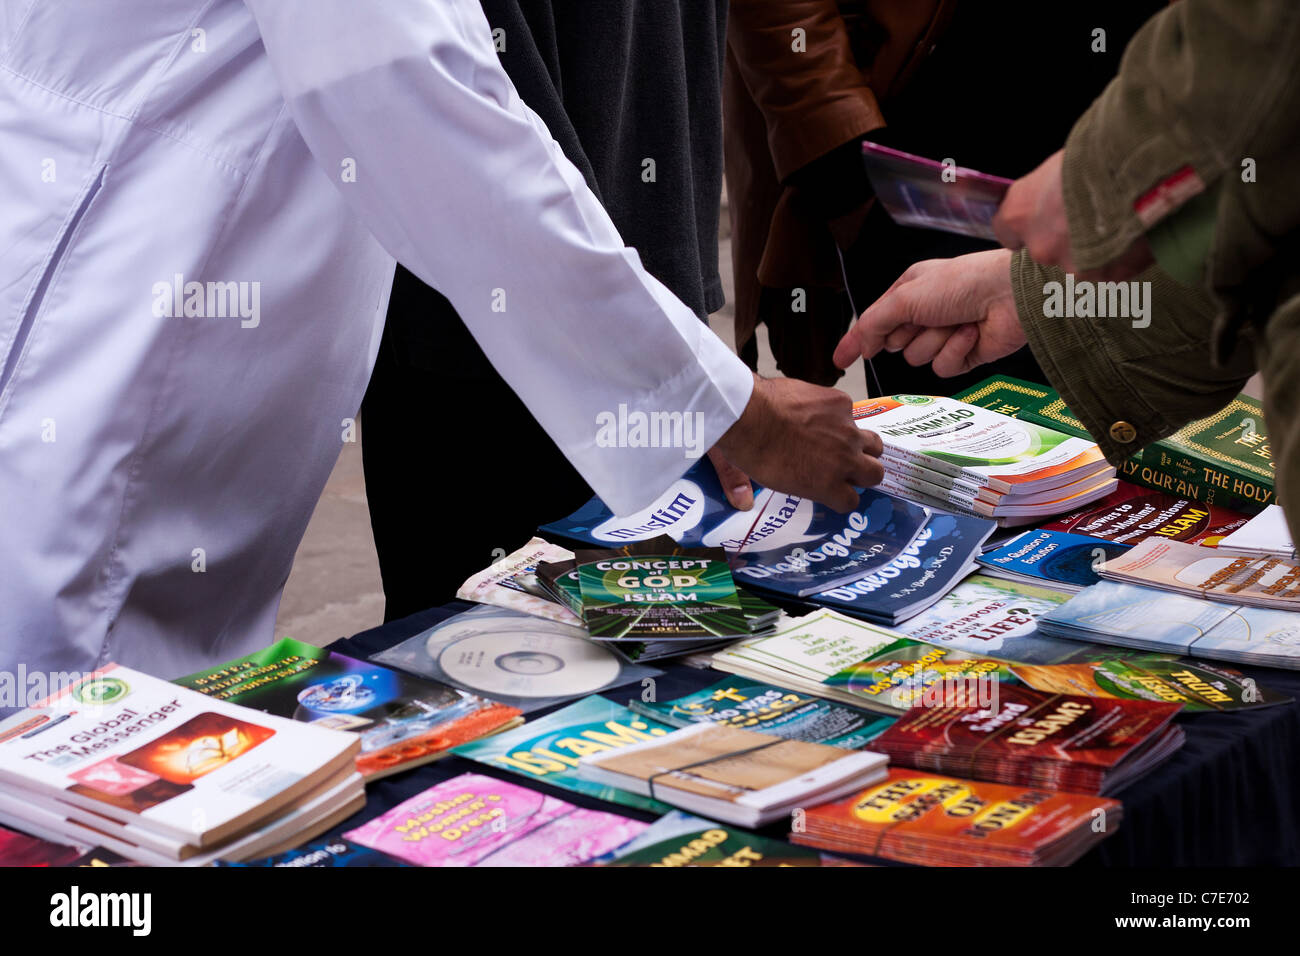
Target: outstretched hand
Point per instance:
(954, 313)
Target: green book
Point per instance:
(1225, 459)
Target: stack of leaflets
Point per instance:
(678, 839)
(933, 820)
(941, 556)
(756, 705)
(1214, 573)
(947, 454)
(403, 721)
(784, 545)
(1056, 560)
(473, 820)
(1266, 535)
(162, 775)
(1032, 739)
(739, 776)
(1161, 621)
(1130, 515)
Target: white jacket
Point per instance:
(255, 167)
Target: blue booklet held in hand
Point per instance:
(784, 544)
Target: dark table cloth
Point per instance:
(1229, 797)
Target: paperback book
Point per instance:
(402, 721)
(1028, 738)
(1130, 515)
(501, 583)
(920, 192)
(914, 816)
(324, 854)
(473, 820)
(1056, 560)
(1266, 535)
(756, 705)
(784, 545)
(738, 776)
(547, 750)
(1213, 573)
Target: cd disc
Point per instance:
(515, 663)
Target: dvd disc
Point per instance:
(515, 663)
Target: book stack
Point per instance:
(1031, 739)
(164, 775)
(1164, 622)
(1266, 535)
(935, 820)
(1214, 573)
(947, 454)
(1223, 461)
(738, 776)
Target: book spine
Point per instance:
(910, 469)
(930, 463)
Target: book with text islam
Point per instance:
(403, 721)
(914, 816)
(169, 761)
(784, 545)
(1129, 515)
(974, 458)
(1223, 460)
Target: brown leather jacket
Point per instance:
(790, 98)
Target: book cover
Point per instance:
(784, 544)
(1055, 558)
(1131, 514)
(1212, 573)
(680, 839)
(927, 569)
(402, 721)
(500, 584)
(548, 749)
(919, 817)
(953, 438)
(473, 820)
(766, 708)
(920, 192)
(1224, 460)
(144, 751)
(324, 854)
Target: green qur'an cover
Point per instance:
(547, 750)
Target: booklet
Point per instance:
(403, 721)
(1163, 621)
(784, 544)
(548, 749)
(679, 839)
(324, 854)
(1057, 560)
(756, 705)
(921, 192)
(1029, 738)
(957, 444)
(942, 554)
(501, 584)
(914, 816)
(1130, 515)
(1267, 535)
(1213, 573)
(473, 820)
(739, 776)
(167, 760)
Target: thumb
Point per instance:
(735, 483)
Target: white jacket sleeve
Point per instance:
(463, 184)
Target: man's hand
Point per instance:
(956, 313)
(1032, 217)
(800, 439)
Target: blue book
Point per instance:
(931, 566)
(1056, 559)
(324, 854)
(785, 545)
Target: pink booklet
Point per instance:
(916, 191)
(475, 820)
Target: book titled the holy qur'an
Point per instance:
(143, 751)
(740, 776)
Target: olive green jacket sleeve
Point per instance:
(1202, 86)
(1152, 372)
